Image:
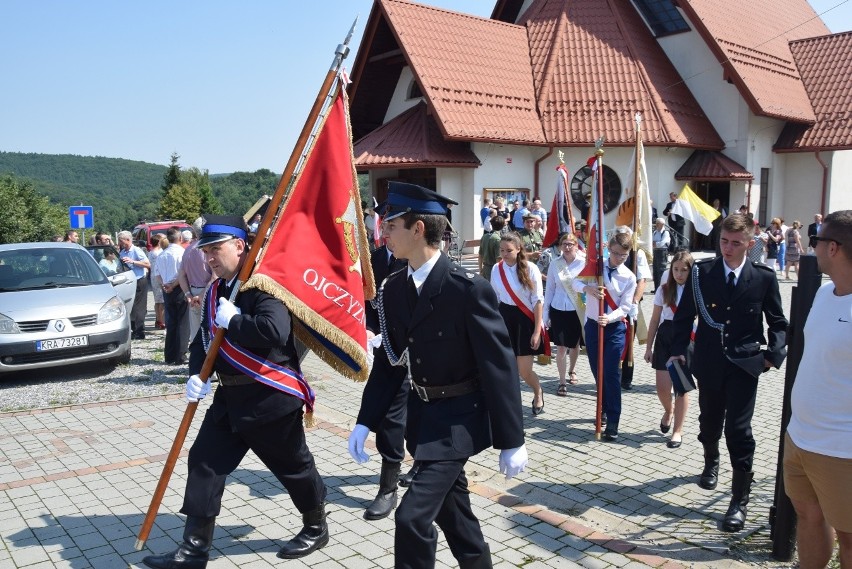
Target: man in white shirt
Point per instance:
(818, 445)
(177, 325)
(661, 237)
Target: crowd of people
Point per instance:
(445, 398)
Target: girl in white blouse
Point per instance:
(561, 306)
(524, 322)
(658, 351)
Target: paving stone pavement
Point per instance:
(75, 483)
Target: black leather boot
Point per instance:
(313, 536)
(385, 500)
(481, 562)
(740, 489)
(710, 475)
(194, 552)
(405, 479)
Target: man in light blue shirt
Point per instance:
(518, 215)
(136, 259)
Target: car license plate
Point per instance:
(60, 343)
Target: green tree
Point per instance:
(181, 202)
(28, 216)
(201, 182)
(172, 175)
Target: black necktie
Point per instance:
(411, 293)
(391, 261)
(731, 283)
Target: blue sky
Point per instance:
(227, 85)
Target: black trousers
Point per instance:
(280, 445)
(390, 435)
(177, 330)
(438, 494)
(139, 310)
(729, 404)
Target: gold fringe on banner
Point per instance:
(303, 314)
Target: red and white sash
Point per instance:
(276, 376)
(524, 308)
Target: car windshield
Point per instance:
(30, 269)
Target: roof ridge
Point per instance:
(825, 37)
(447, 11)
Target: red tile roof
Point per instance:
(596, 64)
(750, 38)
(714, 166)
(826, 67)
(412, 140)
(476, 78)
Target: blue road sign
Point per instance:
(82, 216)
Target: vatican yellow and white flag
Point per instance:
(691, 207)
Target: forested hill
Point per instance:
(123, 192)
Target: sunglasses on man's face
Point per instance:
(825, 239)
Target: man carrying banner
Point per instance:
(440, 327)
(247, 412)
(731, 296)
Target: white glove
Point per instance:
(634, 311)
(356, 444)
(513, 461)
(225, 311)
(373, 343)
(196, 389)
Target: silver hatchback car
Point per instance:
(58, 307)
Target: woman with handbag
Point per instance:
(518, 285)
(658, 352)
(564, 312)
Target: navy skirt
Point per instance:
(520, 330)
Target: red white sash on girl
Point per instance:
(524, 308)
(276, 376)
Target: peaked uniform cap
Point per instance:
(409, 198)
(219, 228)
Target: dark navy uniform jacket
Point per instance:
(454, 334)
(755, 296)
(381, 269)
(263, 328)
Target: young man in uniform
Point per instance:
(390, 435)
(248, 411)
(440, 327)
(731, 299)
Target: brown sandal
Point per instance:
(562, 390)
(572, 377)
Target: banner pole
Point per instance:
(326, 93)
(631, 330)
(601, 303)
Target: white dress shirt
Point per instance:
(168, 263)
(555, 295)
(621, 287)
(525, 295)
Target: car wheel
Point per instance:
(123, 359)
